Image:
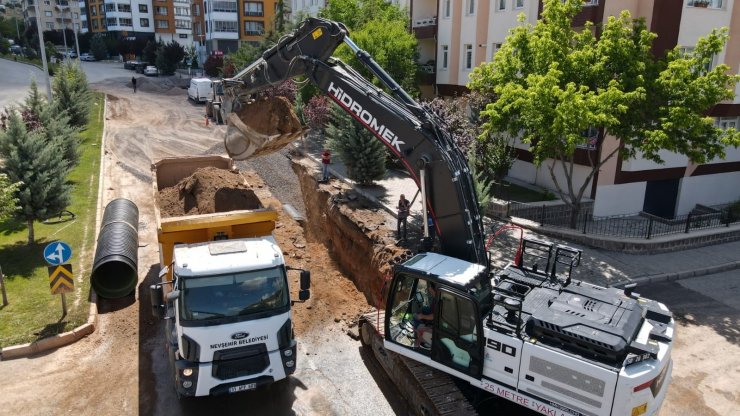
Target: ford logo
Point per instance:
(239, 335)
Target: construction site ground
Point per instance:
(122, 368)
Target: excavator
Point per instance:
(528, 333)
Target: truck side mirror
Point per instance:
(305, 280)
(172, 296)
(155, 294)
(304, 295)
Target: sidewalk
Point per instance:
(598, 266)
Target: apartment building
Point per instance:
(227, 23)
(168, 20)
(52, 14)
(465, 33)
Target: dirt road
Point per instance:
(121, 369)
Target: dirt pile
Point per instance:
(158, 85)
(207, 191)
(355, 231)
(261, 127)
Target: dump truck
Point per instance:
(223, 286)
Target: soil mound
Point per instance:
(261, 127)
(207, 191)
(156, 85)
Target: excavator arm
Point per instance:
(410, 132)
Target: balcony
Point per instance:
(425, 28)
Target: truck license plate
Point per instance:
(243, 387)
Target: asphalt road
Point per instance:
(16, 80)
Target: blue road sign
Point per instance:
(57, 253)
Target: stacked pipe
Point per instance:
(114, 272)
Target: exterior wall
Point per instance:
(445, 28)
(267, 19)
(529, 173)
(672, 160)
(708, 190)
(56, 20)
(500, 21)
(697, 22)
(620, 199)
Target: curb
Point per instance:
(69, 337)
(686, 274)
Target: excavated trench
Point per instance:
(353, 229)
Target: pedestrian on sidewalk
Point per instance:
(133, 82)
(325, 161)
(403, 214)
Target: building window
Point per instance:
(144, 22)
(126, 8)
(47, 13)
(84, 24)
(253, 8)
(125, 22)
(76, 15)
(182, 11)
(143, 8)
(688, 52)
(225, 26)
(500, 4)
(448, 8)
(728, 122)
(591, 136)
(162, 24)
(49, 25)
(95, 24)
(183, 24)
(160, 10)
(196, 10)
(468, 61)
(494, 48)
(224, 6)
(110, 7)
(518, 4)
(470, 9)
(587, 3)
(111, 21)
(93, 11)
(47, 2)
(445, 56)
(254, 28)
(314, 2)
(712, 4)
(183, 36)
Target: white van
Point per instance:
(199, 89)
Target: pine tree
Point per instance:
(72, 94)
(41, 168)
(52, 123)
(357, 148)
(97, 47)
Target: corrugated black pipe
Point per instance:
(114, 273)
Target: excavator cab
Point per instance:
(432, 317)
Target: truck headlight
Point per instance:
(187, 384)
(187, 372)
(290, 363)
(288, 353)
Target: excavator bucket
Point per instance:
(261, 127)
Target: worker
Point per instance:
(325, 161)
(133, 83)
(424, 319)
(403, 214)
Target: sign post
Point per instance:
(61, 278)
(2, 286)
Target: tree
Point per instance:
(41, 169)
(552, 83)
(380, 28)
(97, 47)
(53, 123)
(316, 112)
(357, 148)
(168, 56)
(149, 54)
(72, 94)
(213, 65)
(8, 200)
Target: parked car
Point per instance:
(72, 54)
(151, 70)
(87, 57)
(132, 64)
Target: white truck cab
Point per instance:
(229, 325)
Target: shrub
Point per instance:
(316, 112)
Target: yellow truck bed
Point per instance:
(204, 227)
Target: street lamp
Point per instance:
(64, 30)
(42, 47)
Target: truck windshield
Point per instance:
(239, 294)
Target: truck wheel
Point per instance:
(367, 332)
